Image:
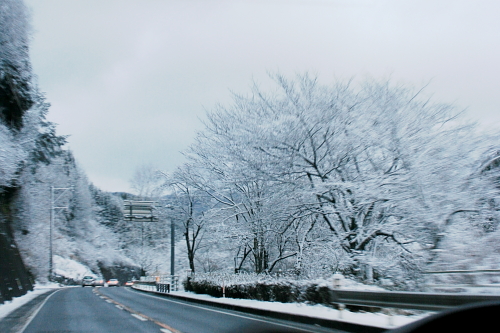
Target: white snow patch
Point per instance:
(382, 320)
(17, 302)
(316, 311)
(70, 268)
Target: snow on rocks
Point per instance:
(70, 268)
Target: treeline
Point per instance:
(26, 138)
(32, 160)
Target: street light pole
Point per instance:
(172, 241)
(50, 231)
(142, 247)
(172, 247)
(53, 200)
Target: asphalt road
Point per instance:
(124, 310)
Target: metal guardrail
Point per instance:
(385, 299)
(163, 287)
(406, 300)
(461, 272)
(145, 285)
(162, 283)
(464, 271)
(402, 300)
(463, 286)
(344, 326)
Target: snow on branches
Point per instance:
(373, 171)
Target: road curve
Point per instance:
(124, 310)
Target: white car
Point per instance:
(99, 282)
(88, 281)
(113, 283)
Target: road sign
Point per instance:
(140, 211)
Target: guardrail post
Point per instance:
(341, 310)
(390, 319)
(174, 282)
(337, 280)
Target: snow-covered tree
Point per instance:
(77, 233)
(379, 166)
(244, 203)
(32, 160)
(16, 91)
(188, 204)
(147, 182)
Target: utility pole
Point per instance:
(51, 222)
(172, 242)
(53, 200)
(172, 247)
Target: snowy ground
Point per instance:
(383, 320)
(70, 268)
(17, 302)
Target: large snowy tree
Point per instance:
(379, 166)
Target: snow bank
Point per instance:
(17, 302)
(383, 320)
(70, 268)
(387, 319)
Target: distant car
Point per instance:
(129, 283)
(88, 281)
(113, 283)
(99, 283)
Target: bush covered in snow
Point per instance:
(267, 288)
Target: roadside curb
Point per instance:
(15, 320)
(340, 325)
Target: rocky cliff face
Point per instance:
(15, 280)
(20, 134)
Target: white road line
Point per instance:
(36, 312)
(119, 307)
(231, 314)
(138, 317)
(143, 317)
(108, 301)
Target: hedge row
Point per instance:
(285, 292)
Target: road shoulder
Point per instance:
(15, 320)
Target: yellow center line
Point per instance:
(159, 323)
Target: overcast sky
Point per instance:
(130, 80)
